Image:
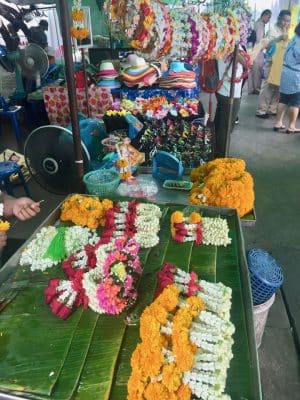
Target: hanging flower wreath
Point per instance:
(78, 30)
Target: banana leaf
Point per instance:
(105, 370)
(33, 343)
(97, 375)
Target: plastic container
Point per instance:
(260, 316)
(265, 274)
(101, 182)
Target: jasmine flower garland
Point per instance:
(215, 232)
(51, 245)
(134, 220)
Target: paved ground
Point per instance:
(273, 158)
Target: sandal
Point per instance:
(292, 132)
(279, 128)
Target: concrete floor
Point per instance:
(273, 159)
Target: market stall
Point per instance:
(52, 346)
(114, 298)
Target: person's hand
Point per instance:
(3, 239)
(24, 208)
(284, 37)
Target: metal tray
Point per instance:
(244, 292)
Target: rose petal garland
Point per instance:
(110, 287)
(134, 220)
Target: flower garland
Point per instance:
(154, 29)
(186, 229)
(110, 287)
(202, 230)
(134, 220)
(85, 210)
(63, 296)
(223, 182)
(185, 349)
(52, 244)
(78, 30)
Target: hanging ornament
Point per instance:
(78, 30)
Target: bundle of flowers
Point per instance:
(185, 349)
(223, 182)
(102, 277)
(52, 245)
(134, 220)
(111, 286)
(85, 210)
(158, 107)
(201, 230)
(186, 229)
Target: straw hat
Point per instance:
(106, 66)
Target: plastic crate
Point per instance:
(265, 274)
(102, 181)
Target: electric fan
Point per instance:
(49, 156)
(33, 62)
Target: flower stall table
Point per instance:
(88, 355)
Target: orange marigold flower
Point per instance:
(194, 218)
(156, 391)
(4, 226)
(169, 298)
(184, 392)
(177, 217)
(171, 377)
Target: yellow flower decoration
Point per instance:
(4, 226)
(223, 182)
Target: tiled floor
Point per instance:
(273, 159)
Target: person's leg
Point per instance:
(222, 111)
(279, 116)
(264, 100)
(257, 73)
(274, 99)
(251, 81)
(293, 115)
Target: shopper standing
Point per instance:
(290, 85)
(255, 74)
(223, 101)
(269, 95)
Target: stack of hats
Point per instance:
(107, 76)
(179, 76)
(138, 72)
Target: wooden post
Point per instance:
(65, 30)
(231, 100)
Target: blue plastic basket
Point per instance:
(265, 274)
(102, 181)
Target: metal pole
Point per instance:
(65, 30)
(231, 100)
(86, 89)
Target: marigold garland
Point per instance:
(223, 182)
(186, 343)
(85, 210)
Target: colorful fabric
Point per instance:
(57, 103)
